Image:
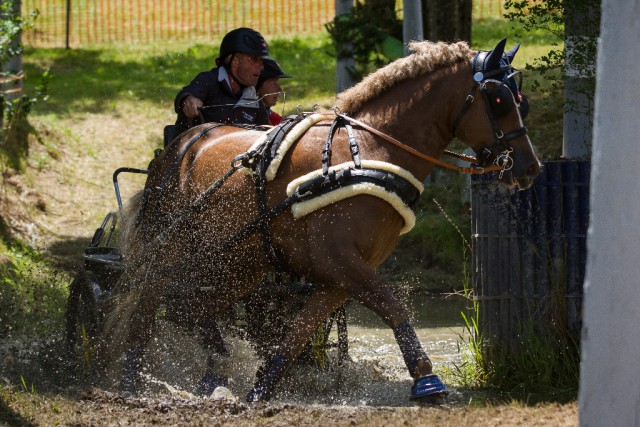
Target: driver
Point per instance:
(227, 94)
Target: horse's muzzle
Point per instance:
(523, 180)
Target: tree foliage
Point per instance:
(575, 21)
(371, 34)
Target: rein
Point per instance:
(470, 159)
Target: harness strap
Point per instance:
(326, 150)
(515, 133)
(417, 153)
(353, 145)
(464, 109)
(269, 248)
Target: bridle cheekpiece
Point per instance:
(499, 101)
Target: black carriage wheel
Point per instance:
(321, 342)
(82, 323)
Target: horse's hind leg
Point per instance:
(318, 307)
(142, 322)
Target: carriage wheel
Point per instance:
(343, 339)
(82, 323)
(321, 342)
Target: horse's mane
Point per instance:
(427, 57)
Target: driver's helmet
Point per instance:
(244, 40)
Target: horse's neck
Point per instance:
(420, 113)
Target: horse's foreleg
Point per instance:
(371, 292)
(317, 308)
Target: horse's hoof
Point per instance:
(257, 395)
(268, 376)
(130, 383)
(429, 390)
(129, 387)
(209, 383)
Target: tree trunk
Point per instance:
(343, 65)
(446, 20)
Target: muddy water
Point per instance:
(375, 376)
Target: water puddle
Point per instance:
(375, 376)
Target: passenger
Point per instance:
(227, 94)
(269, 87)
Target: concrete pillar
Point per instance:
(343, 78)
(610, 368)
(412, 22)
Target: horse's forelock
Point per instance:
(426, 57)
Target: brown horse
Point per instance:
(196, 225)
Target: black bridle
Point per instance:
(500, 150)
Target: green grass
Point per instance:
(32, 291)
(150, 75)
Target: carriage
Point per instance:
(324, 195)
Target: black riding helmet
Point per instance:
(244, 40)
(271, 69)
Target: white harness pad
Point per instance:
(301, 209)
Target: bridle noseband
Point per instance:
(500, 150)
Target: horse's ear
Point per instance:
(512, 53)
(493, 58)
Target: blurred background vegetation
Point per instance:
(141, 80)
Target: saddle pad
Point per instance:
(301, 209)
(292, 136)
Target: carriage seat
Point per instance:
(169, 134)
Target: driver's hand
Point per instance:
(191, 106)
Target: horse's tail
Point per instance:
(130, 212)
(117, 325)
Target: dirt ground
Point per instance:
(64, 200)
(98, 407)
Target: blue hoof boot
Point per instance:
(267, 378)
(131, 381)
(209, 383)
(429, 390)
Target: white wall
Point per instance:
(610, 371)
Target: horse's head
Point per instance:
(492, 125)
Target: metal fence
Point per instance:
(529, 253)
(76, 23)
(81, 23)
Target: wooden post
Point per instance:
(68, 25)
(609, 386)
